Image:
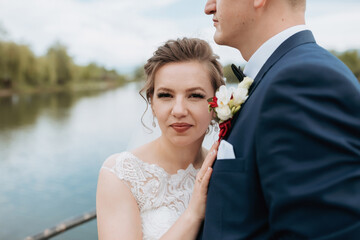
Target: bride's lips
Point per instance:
(180, 127)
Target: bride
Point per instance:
(158, 191)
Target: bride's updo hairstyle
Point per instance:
(182, 50)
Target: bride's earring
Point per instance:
(154, 123)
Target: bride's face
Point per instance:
(180, 102)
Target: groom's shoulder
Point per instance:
(310, 55)
(311, 62)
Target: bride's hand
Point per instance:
(196, 207)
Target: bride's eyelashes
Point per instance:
(191, 95)
(164, 95)
(197, 95)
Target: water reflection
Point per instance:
(51, 148)
(18, 111)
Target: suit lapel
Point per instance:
(297, 39)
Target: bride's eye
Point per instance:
(164, 95)
(197, 95)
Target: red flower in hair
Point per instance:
(213, 102)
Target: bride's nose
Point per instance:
(179, 108)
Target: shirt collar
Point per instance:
(258, 59)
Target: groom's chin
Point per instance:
(219, 39)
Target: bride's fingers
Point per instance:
(205, 180)
(209, 160)
(202, 176)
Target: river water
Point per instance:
(51, 149)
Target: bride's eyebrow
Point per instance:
(195, 89)
(164, 89)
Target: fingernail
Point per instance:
(213, 152)
(209, 168)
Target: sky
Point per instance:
(123, 34)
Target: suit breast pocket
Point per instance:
(229, 165)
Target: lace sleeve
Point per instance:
(129, 171)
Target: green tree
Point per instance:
(139, 74)
(17, 65)
(61, 64)
(27, 74)
(4, 80)
(90, 72)
(20, 69)
(352, 59)
(10, 70)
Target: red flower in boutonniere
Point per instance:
(224, 128)
(227, 102)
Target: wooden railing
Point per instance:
(64, 226)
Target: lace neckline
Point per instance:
(189, 168)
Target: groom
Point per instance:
(290, 167)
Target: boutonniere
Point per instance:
(227, 102)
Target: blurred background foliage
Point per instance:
(351, 58)
(22, 71)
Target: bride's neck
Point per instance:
(174, 157)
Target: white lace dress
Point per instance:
(161, 197)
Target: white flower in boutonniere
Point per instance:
(223, 113)
(241, 93)
(223, 97)
(227, 102)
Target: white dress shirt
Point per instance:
(263, 53)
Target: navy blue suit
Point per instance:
(296, 139)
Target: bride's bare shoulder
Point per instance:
(110, 161)
(143, 152)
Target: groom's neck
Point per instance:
(269, 20)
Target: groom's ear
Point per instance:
(259, 3)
